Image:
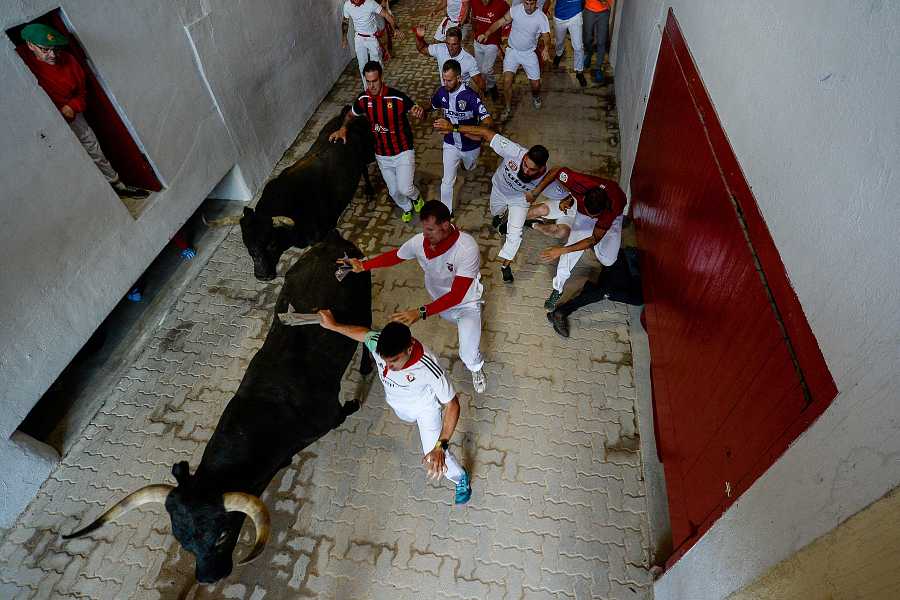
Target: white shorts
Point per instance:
(527, 60)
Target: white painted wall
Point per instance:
(70, 250)
(807, 92)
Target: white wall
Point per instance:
(808, 95)
(70, 250)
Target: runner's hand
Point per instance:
(435, 463)
(355, 263)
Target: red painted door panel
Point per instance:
(736, 371)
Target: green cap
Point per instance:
(43, 35)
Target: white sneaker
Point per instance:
(536, 102)
(479, 382)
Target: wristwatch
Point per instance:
(442, 444)
(423, 314)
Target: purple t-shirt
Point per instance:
(462, 107)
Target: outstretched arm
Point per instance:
(421, 44)
(472, 131)
(504, 20)
(341, 133)
(354, 332)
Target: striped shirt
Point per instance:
(419, 387)
(387, 114)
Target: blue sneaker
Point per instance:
(463, 489)
(598, 77)
(135, 294)
(188, 253)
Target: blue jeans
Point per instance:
(596, 30)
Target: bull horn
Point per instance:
(222, 222)
(282, 222)
(146, 495)
(254, 508)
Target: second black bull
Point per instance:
(304, 202)
(288, 398)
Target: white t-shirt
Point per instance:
(466, 61)
(416, 389)
(454, 7)
(462, 258)
(526, 28)
(506, 178)
(363, 16)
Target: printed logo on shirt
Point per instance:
(563, 177)
(450, 267)
(390, 105)
(410, 377)
(512, 165)
(378, 128)
(461, 104)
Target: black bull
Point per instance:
(288, 398)
(305, 201)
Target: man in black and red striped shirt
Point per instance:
(387, 110)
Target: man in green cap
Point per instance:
(63, 79)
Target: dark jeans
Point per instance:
(621, 282)
(596, 30)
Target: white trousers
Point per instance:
(367, 48)
(468, 324)
(574, 25)
(88, 139)
(430, 422)
(486, 56)
(397, 172)
(606, 250)
(517, 210)
(452, 157)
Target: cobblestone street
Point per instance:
(558, 506)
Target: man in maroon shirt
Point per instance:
(64, 81)
(589, 217)
(484, 14)
(386, 109)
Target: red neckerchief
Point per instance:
(443, 246)
(417, 352)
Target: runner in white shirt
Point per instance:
(452, 265)
(471, 75)
(455, 13)
(520, 171)
(417, 389)
(365, 16)
(528, 24)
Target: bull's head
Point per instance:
(207, 525)
(266, 238)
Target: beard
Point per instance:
(526, 178)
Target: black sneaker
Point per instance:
(556, 60)
(506, 271)
(494, 94)
(560, 323)
(581, 80)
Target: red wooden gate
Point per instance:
(737, 374)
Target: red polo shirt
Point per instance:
(64, 82)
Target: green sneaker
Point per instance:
(418, 204)
(407, 216)
(550, 303)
